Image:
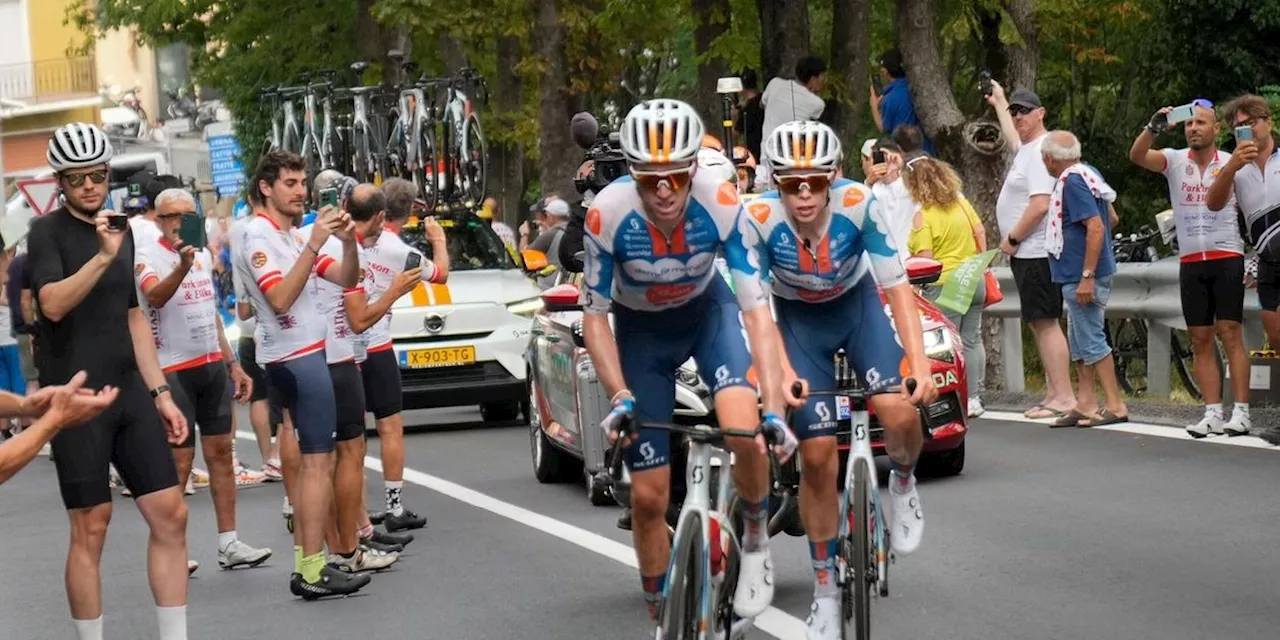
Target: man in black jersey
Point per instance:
(81, 259)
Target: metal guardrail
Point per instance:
(49, 79)
(1146, 291)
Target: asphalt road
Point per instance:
(1048, 534)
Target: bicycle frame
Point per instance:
(860, 451)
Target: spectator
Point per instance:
(12, 379)
(948, 230)
(58, 407)
(909, 138)
(556, 216)
(22, 320)
(885, 179)
(894, 107)
(490, 212)
(1082, 264)
(1020, 212)
(1251, 177)
(749, 121)
(787, 100)
(1212, 261)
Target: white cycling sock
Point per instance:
(393, 489)
(1214, 409)
(1241, 409)
(225, 538)
(173, 622)
(89, 629)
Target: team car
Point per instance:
(567, 401)
(463, 342)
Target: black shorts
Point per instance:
(381, 373)
(1212, 290)
(348, 395)
(1041, 299)
(129, 434)
(1268, 285)
(262, 389)
(204, 395)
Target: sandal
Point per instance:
(1072, 418)
(1041, 412)
(1105, 417)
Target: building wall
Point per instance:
(124, 64)
(48, 36)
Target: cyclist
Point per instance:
(285, 265)
(651, 243)
(176, 282)
(819, 238)
(1211, 253)
(82, 280)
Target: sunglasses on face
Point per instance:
(178, 214)
(814, 182)
(1017, 111)
(76, 180)
(653, 180)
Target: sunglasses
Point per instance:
(179, 214)
(1203, 103)
(814, 182)
(652, 180)
(76, 180)
(1019, 110)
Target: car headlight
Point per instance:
(526, 308)
(938, 345)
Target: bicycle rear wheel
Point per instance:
(474, 160)
(682, 609)
(858, 558)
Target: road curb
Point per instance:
(1147, 411)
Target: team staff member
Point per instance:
(82, 277)
(57, 408)
(385, 254)
(177, 286)
(1211, 252)
(284, 265)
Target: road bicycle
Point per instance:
(697, 601)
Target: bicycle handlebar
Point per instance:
(699, 433)
(926, 423)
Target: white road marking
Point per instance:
(773, 621)
(1139, 428)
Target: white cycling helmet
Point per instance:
(661, 132)
(803, 144)
(78, 145)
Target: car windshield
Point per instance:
(472, 245)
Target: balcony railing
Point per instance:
(49, 80)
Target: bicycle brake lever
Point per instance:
(926, 424)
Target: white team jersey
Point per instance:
(855, 242)
(380, 262)
(340, 339)
(269, 252)
(186, 327)
(1202, 234)
(240, 276)
(630, 261)
(144, 231)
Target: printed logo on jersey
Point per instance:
(646, 451)
(760, 211)
(139, 268)
(593, 221)
(853, 196)
(1191, 170)
(727, 195)
(259, 260)
(664, 293)
(809, 295)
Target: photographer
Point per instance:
(603, 164)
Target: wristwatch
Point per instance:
(155, 393)
(1012, 241)
(1087, 273)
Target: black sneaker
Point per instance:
(376, 517)
(372, 543)
(389, 538)
(332, 582)
(406, 520)
(294, 580)
(624, 520)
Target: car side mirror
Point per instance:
(562, 297)
(921, 271)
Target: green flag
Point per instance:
(957, 292)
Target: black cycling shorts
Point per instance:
(1212, 290)
(129, 434)
(348, 394)
(204, 395)
(306, 390)
(381, 373)
(1041, 299)
(262, 389)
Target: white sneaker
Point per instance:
(246, 477)
(823, 622)
(365, 559)
(975, 407)
(271, 469)
(1240, 424)
(199, 478)
(190, 487)
(908, 518)
(755, 584)
(192, 565)
(239, 554)
(1210, 424)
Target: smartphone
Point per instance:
(117, 222)
(1182, 113)
(192, 231)
(1244, 133)
(328, 197)
(412, 261)
(877, 156)
(985, 83)
(877, 83)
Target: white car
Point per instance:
(463, 342)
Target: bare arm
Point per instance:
(1000, 103)
(28, 307)
(761, 330)
(348, 272)
(1112, 216)
(603, 348)
(1222, 188)
(159, 292)
(16, 452)
(144, 349)
(244, 310)
(361, 314)
(1092, 242)
(906, 319)
(440, 258)
(282, 296)
(1143, 155)
(1031, 217)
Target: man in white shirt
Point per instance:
(1020, 211)
(786, 100)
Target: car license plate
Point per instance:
(441, 357)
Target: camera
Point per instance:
(603, 163)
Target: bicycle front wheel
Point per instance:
(474, 159)
(682, 610)
(858, 557)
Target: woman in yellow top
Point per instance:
(947, 229)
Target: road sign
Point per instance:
(224, 162)
(41, 194)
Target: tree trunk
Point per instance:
(982, 173)
(1024, 61)
(455, 57)
(848, 79)
(374, 40)
(784, 37)
(507, 184)
(556, 150)
(712, 20)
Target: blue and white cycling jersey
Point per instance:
(856, 241)
(628, 260)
